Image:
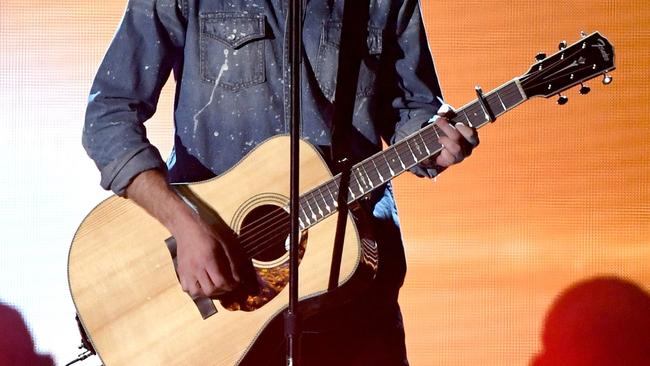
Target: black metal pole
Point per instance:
(292, 317)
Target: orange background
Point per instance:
(554, 194)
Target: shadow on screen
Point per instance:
(16, 343)
(604, 321)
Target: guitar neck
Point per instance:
(380, 168)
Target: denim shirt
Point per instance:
(229, 59)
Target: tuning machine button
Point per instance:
(562, 99)
(562, 45)
(584, 89)
(540, 56)
(607, 79)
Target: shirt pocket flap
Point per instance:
(234, 29)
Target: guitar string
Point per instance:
(265, 245)
(561, 76)
(471, 109)
(276, 224)
(550, 67)
(306, 199)
(310, 199)
(276, 234)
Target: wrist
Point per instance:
(179, 216)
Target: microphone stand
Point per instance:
(292, 317)
(356, 15)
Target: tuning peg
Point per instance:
(584, 89)
(540, 56)
(562, 45)
(607, 79)
(562, 99)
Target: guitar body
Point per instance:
(121, 267)
(124, 286)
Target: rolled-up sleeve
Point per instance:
(418, 95)
(125, 91)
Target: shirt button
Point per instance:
(231, 37)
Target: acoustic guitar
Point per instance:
(122, 261)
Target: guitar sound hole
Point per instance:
(264, 232)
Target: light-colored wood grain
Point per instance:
(126, 292)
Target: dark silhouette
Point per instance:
(604, 321)
(16, 343)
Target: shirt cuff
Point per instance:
(411, 126)
(423, 172)
(117, 175)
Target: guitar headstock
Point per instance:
(593, 55)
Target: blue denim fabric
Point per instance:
(229, 61)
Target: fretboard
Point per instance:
(380, 168)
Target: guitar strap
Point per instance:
(353, 47)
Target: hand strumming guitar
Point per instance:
(205, 264)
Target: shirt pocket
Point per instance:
(232, 49)
(328, 60)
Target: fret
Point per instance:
(392, 173)
(430, 136)
(494, 103)
(302, 214)
(437, 131)
(377, 172)
(382, 167)
(373, 172)
(463, 119)
(335, 200)
(424, 143)
(359, 180)
(355, 182)
(418, 148)
(478, 115)
(381, 178)
(370, 184)
(350, 186)
(362, 179)
(352, 195)
(387, 157)
(313, 215)
(511, 95)
(302, 218)
(469, 122)
(484, 109)
(399, 157)
(408, 144)
(320, 210)
(310, 214)
(501, 101)
(328, 209)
